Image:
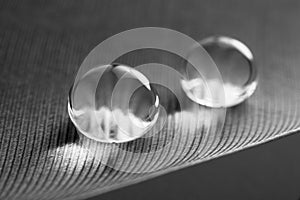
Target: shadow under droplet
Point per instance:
(67, 133)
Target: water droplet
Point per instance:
(235, 63)
(113, 103)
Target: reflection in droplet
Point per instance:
(113, 103)
(235, 63)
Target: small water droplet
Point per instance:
(235, 63)
(113, 103)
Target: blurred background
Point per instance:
(269, 171)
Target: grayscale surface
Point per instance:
(42, 45)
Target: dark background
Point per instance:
(269, 171)
(42, 44)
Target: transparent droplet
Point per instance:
(113, 103)
(235, 63)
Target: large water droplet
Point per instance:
(113, 103)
